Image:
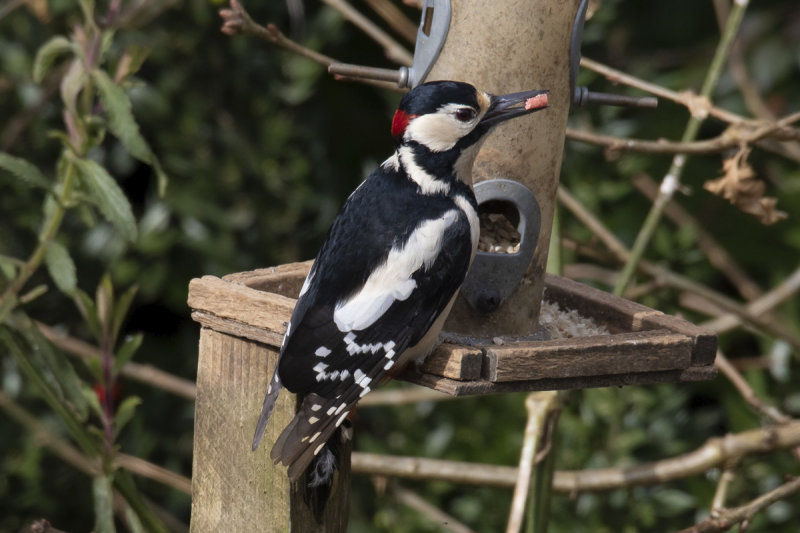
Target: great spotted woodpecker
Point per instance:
(388, 273)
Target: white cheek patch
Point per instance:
(392, 280)
(439, 131)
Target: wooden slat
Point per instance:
(234, 488)
(705, 342)
(482, 387)
(240, 329)
(285, 280)
(648, 351)
(617, 314)
(224, 299)
(455, 362)
(231, 381)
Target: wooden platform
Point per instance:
(644, 346)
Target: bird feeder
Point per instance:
(493, 340)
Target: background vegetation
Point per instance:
(258, 147)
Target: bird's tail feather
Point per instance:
(266, 409)
(318, 477)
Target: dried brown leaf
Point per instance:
(741, 187)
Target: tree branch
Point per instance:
(144, 373)
(393, 50)
(238, 21)
(714, 453)
(728, 518)
(747, 392)
(434, 514)
(746, 131)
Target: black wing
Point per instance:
(333, 365)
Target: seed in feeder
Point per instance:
(536, 102)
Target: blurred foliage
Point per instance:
(261, 148)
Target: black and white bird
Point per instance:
(387, 275)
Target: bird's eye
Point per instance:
(465, 114)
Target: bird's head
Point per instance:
(443, 115)
(439, 125)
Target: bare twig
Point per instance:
(395, 397)
(714, 453)
(672, 178)
(787, 288)
(395, 18)
(728, 518)
(747, 392)
(674, 280)
(742, 132)
(69, 454)
(393, 50)
(538, 405)
(237, 20)
(434, 514)
(46, 438)
(686, 98)
(721, 493)
(717, 255)
(140, 467)
(143, 373)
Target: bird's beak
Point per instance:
(502, 107)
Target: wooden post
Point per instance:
(234, 489)
(506, 46)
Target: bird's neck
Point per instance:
(435, 172)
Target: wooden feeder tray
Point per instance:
(643, 346)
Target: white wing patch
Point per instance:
(392, 280)
(307, 282)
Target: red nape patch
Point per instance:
(400, 123)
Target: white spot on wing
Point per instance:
(388, 365)
(392, 280)
(322, 351)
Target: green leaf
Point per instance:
(9, 265)
(130, 62)
(121, 308)
(89, 312)
(61, 267)
(106, 194)
(104, 299)
(103, 505)
(125, 353)
(94, 403)
(72, 84)
(125, 413)
(53, 365)
(120, 117)
(7, 304)
(24, 170)
(47, 54)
